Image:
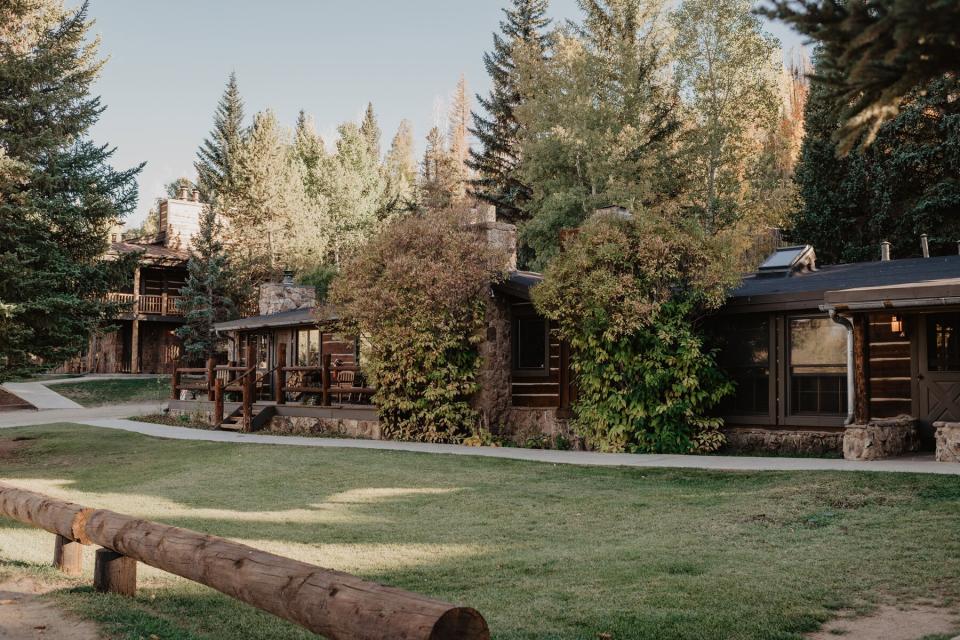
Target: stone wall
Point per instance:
(881, 438)
(782, 441)
(526, 423)
(276, 297)
(948, 441)
(493, 398)
(330, 427)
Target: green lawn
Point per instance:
(121, 391)
(543, 551)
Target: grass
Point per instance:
(543, 551)
(120, 391)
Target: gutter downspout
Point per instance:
(844, 322)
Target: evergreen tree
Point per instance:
(216, 159)
(311, 152)
(401, 170)
(439, 185)
(205, 292)
(459, 144)
(59, 195)
(371, 131)
(497, 132)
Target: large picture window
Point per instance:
(530, 348)
(308, 348)
(746, 359)
(817, 374)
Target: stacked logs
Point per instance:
(337, 605)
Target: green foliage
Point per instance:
(205, 293)
(626, 294)
(320, 278)
(498, 133)
(217, 156)
(877, 53)
(59, 195)
(416, 293)
(904, 184)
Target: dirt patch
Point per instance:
(24, 616)
(10, 448)
(10, 402)
(893, 623)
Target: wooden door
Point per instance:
(938, 371)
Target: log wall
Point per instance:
(889, 369)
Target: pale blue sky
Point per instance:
(169, 61)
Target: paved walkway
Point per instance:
(9, 419)
(107, 418)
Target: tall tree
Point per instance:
(599, 121)
(876, 53)
(459, 143)
(498, 130)
(59, 195)
(310, 150)
(440, 182)
(205, 292)
(371, 131)
(401, 170)
(726, 71)
(217, 156)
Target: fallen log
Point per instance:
(335, 604)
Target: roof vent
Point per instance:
(788, 261)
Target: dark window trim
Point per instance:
(804, 419)
(770, 417)
(521, 312)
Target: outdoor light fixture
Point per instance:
(896, 325)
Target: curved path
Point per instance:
(113, 417)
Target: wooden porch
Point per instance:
(245, 398)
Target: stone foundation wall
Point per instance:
(493, 398)
(948, 441)
(880, 439)
(804, 442)
(330, 427)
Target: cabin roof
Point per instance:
(306, 316)
(518, 284)
(151, 253)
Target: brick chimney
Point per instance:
(277, 297)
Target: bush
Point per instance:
(416, 292)
(626, 295)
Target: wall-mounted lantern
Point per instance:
(897, 326)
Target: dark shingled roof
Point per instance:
(297, 318)
(810, 288)
(519, 283)
(152, 253)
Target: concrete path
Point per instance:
(37, 394)
(92, 377)
(724, 463)
(27, 418)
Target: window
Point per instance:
(530, 345)
(943, 342)
(817, 374)
(746, 358)
(308, 348)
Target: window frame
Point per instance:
(770, 417)
(785, 388)
(528, 373)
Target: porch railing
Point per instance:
(159, 305)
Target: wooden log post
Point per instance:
(211, 376)
(248, 385)
(861, 369)
(114, 573)
(56, 516)
(280, 380)
(68, 556)
(218, 402)
(325, 380)
(334, 604)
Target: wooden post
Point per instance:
(231, 374)
(861, 373)
(163, 303)
(218, 402)
(564, 375)
(115, 573)
(68, 556)
(135, 346)
(211, 376)
(280, 381)
(175, 380)
(325, 380)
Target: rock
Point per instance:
(881, 438)
(948, 441)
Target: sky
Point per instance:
(168, 63)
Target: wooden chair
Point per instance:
(345, 380)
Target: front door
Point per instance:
(938, 374)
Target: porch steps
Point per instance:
(260, 418)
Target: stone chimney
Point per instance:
(277, 297)
(498, 234)
(180, 219)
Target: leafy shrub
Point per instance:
(416, 292)
(626, 294)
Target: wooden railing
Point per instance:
(159, 305)
(335, 604)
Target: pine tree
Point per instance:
(216, 158)
(205, 292)
(371, 131)
(401, 170)
(497, 133)
(439, 178)
(459, 144)
(311, 152)
(59, 195)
